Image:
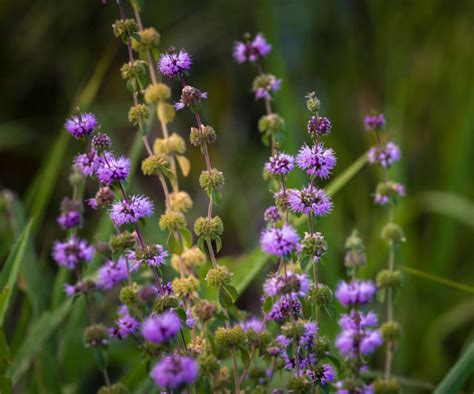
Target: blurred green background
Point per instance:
(412, 60)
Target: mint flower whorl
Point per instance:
(112, 273)
(286, 306)
(137, 207)
(280, 163)
(316, 160)
(252, 324)
(386, 190)
(87, 163)
(125, 325)
(291, 283)
(309, 200)
(319, 126)
(153, 256)
(161, 328)
(327, 375)
(174, 64)
(70, 253)
(174, 371)
(251, 51)
(357, 292)
(264, 85)
(272, 214)
(112, 168)
(69, 219)
(280, 242)
(81, 125)
(374, 122)
(386, 156)
(190, 97)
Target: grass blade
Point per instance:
(458, 374)
(10, 270)
(344, 177)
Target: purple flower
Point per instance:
(131, 210)
(286, 306)
(316, 161)
(272, 214)
(112, 169)
(309, 200)
(70, 253)
(161, 328)
(190, 97)
(273, 85)
(389, 189)
(386, 156)
(355, 292)
(290, 283)
(173, 371)
(251, 51)
(153, 256)
(328, 374)
(87, 163)
(111, 273)
(69, 219)
(252, 324)
(374, 122)
(279, 242)
(70, 290)
(307, 339)
(125, 325)
(190, 321)
(371, 341)
(174, 64)
(319, 126)
(81, 125)
(341, 388)
(280, 163)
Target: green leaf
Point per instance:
(267, 305)
(10, 270)
(458, 374)
(187, 237)
(218, 241)
(202, 245)
(244, 356)
(39, 333)
(232, 291)
(225, 298)
(216, 196)
(174, 245)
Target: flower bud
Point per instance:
(129, 295)
(322, 347)
(180, 201)
(185, 287)
(208, 364)
(321, 294)
(76, 178)
(386, 386)
(191, 96)
(312, 102)
(355, 251)
(190, 259)
(204, 310)
(156, 165)
(104, 196)
(271, 124)
(198, 345)
(393, 233)
(133, 70)
(390, 330)
(157, 92)
(298, 384)
(293, 329)
(149, 39)
(122, 242)
(229, 338)
(124, 29)
(212, 179)
(96, 336)
(222, 379)
(218, 277)
(164, 303)
(206, 135)
(208, 228)
(101, 142)
(172, 220)
(281, 199)
(314, 245)
(138, 114)
(388, 279)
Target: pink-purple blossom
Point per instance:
(174, 64)
(316, 160)
(252, 50)
(111, 273)
(319, 126)
(309, 200)
(71, 252)
(355, 292)
(131, 210)
(161, 328)
(280, 163)
(279, 241)
(174, 371)
(112, 168)
(125, 325)
(386, 156)
(374, 122)
(81, 125)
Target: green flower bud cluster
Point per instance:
(298, 384)
(262, 81)
(271, 124)
(293, 329)
(130, 295)
(208, 364)
(259, 339)
(156, 92)
(104, 196)
(122, 242)
(322, 347)
(314, 245)
(172, 220)
(321, 294)
(355, 251)
(312, 103)
(204, 310)
(96, 336)
(185, 287)
(125, 29)
(211, 180)
(218, 277)
(208, 228)
(229, 338)
(164, 303)
(149, 39)
(388, 189)
(156, 165)
(386, 386)
(388, 279)
(390, 330)
(138, 114)
(393, 233)
(135, 70)
(205, 136)
(173, 144)
(198, 345)
(180, 201)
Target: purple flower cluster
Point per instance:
(287, 305)
(111, 168)
(386, 156)
(131, 210)
(174, 64)
(358, 335)
(280, 163)
(81, 125)
(174, 371)
(154, 257)
(272, 214)
(161, 328)
(252, 324)
(69, 219)
(319, 126)
(252, 50)
(125, 325)
(316, 160)
(356, 292)
(374, 122)
(112, 273)
(273, 85)
(71, 252)
(309, 200)
(280, 241)
(383, 197)
(279, 284)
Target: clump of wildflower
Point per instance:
(113, 169)
(316, 160)
(101, 142)
(206, 135)
(385, 155)
(314, 245)
(280, 163)
(96, 336)
(87, 163)
(309, 200)
(291, 283)
(112, 273)
(124, 325)
(161, 328)
(280, 241)
(272, 214)
(218, 276)
(71, 252)
(173, 144)
(81, 125)
(251, 50)
(387, 190)
(190, 259)
(172, 220)
(185, 287)
(356, 292)
(264, 85)
(174, 64)
(319, 126)
(190, 97)
(174, 371)
(70, 216)
(131, 210)
(156, 165)
(138, 114)
(150, 255)
(374, 122)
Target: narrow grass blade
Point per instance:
(344, 177)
